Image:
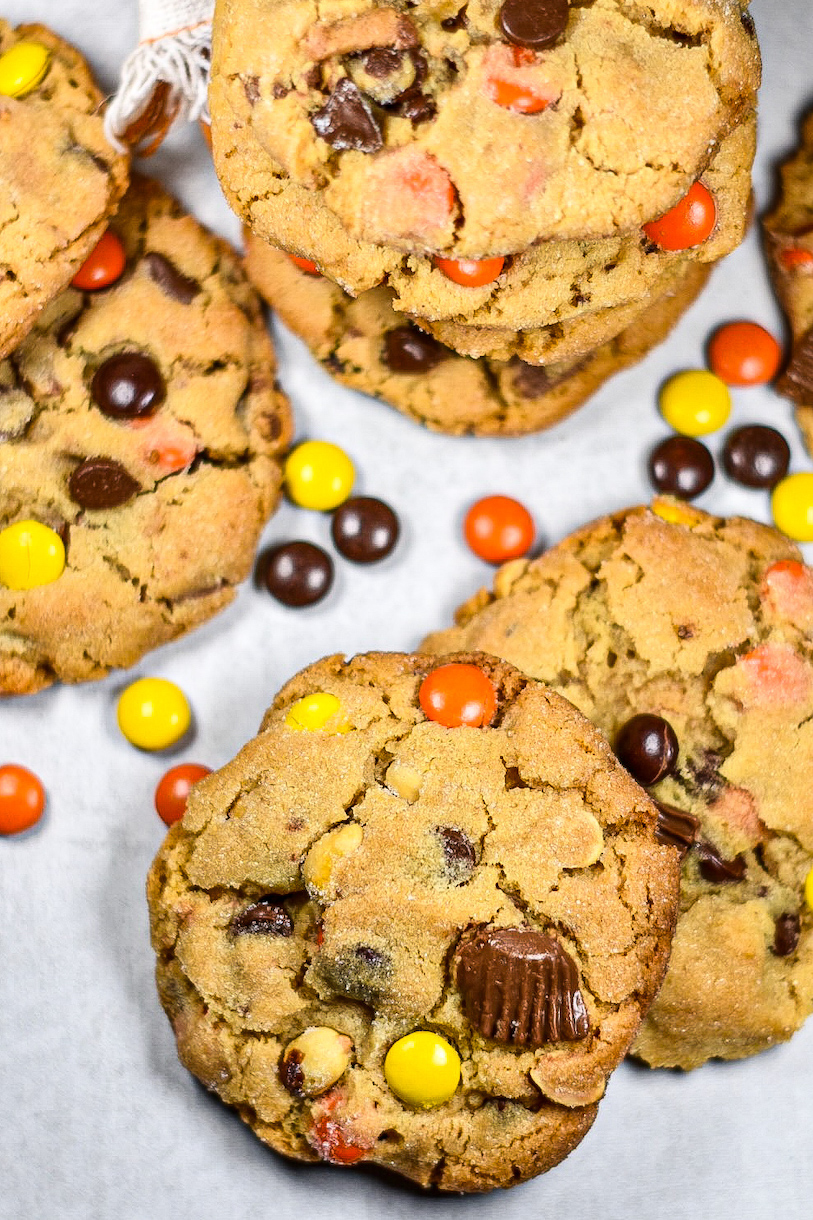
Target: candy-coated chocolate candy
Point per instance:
(458, 694)
(313, 714)
(647, 746)
(31, 554)
(743, 353)
(128, 386)
(22, 67)
(695, 402)
(809, 889)
(469, 272)
(103, 266)
(153, 713)
(533, 23)
(408, 350)
(422, 1069)
(792, 506)
(756, 456)
(675, 513)
(796, 258)
(498, 528)
(22, 799)
(681, 466)
(364, 529)
(319, 475)
(305, 264)
(689, 223)
(509, 83)
(296, 573)
(173, 790)
(335, 1142)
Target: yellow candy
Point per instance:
(809, 889)
(31, 554)
(695, 402)
(792, 506)
(312, 713)
(676, 512)
(153, 713)
(422, 1069)
(319, 475)
(22, 68)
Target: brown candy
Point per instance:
(675, 827)
(787, 931)
(169, 279)
(520, 986)
(533, 23)
(296, 573)
(648, 747)
(267, 917)
(797, 380)
(756, 456)
(101, 482)
(346, 120)
(409, 350)
(681, 466)
(364, 529)
(717, 870)
(128, 386)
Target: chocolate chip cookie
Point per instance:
(415, 922)
(141, 434)
(60, 180)
(689, 640)
(368, 346)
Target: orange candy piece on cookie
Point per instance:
(689, 223)
(513, 80)
(103, 266)
(470, 272)
(415, 194)
(458, 694)
(774, 676)
(787, 589)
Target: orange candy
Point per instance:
(173, 790)
(331, 1141)
(22, 799)
(458, 694)
(795, 258)
(498, 528)
(469, 272)
(688, 223)
(509, 84)
(743, 353)
(305, 264)
(103, 266)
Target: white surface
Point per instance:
(98, 1118)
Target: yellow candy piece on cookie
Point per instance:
(422, 1069)
(313, 713)
(792, 506)
(31, 554)
(22, 68)
(809, 889)
(319, 475)
(676, 512)
(153, 713)
(321, 860)
(695, 402)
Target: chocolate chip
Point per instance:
(370, 956)
(457, 22)
(251, 88)
(786, 935)
(756, 456)
(169, 279)
(128, 386)
(681, 466)
(291, 1074)
(797, 380)
(520, 986)
(278, 91)
(381, 62)
(458, 850)
(266, 917)
(408, 350)
(364, 529)
(296, 573)
(101, 482)
(675, 828)
(346, 121)
(648, 747)
(717, 870)
(533, 23)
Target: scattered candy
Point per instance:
(743, 353)
(100, 482)
(336, 1141)
(326, 853)
(689, 223)
(796, 258)
(695, 402)
(315, 1061)
(22, 799)
(458, 694)
(647, 746)
(408, 350)
(103, 266)
(364, 529)
(173, 790)
(787, 590)
(756, 456)
(809, 889)
(22, 68)
(128, 386)
(675, 513)
(681, 466)
(31, 554)
(533, 23)
(792, 506)
(305, 264)
(297, 573)
(498, 528)
(512, 79)
(312, 714)
(422, 1069)
(470, 273)
(319, 475)
(153, 713)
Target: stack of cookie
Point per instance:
(540, 187)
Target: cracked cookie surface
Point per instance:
(193, 480)
(60, 181)
(364, 343)
(428, 127)
(359, 882)
(709, 624)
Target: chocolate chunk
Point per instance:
(675, 827)
(409, 350)
(291, 1074)
(266, 917)
(797, 380)
(381, 62)
(520, 986)
(251, 88)
(169, 279)
(101, 482)
(296, 573)
(703, 774)
(756, 456)
(370, 956)
(278, 91)
(458, 22)
(786, 935)
(681, 466)
(532, 380)
(417, 107)
(533, 23)
(346, 121)
(128, 386)
(458, 850)
(648, 747)
(364, 529)
(717, 870)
